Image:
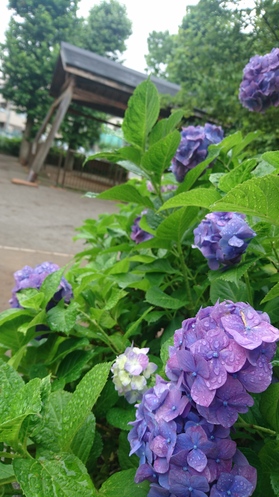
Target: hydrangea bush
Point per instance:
(259, 88)
(172, 305)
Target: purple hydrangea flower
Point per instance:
(164, 188)
(138, 235)
(184, 485)
(29, 277)
(229, 400)
(193, 147)
(259, 88)
(130, 372)
(223, 237)
(232, 485)
(182, 428)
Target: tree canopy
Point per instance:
(32, 44)
(215, 41)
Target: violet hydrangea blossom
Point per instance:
(138, 235)
(182, 429)
(131, 370)
(259, 88)
(223, 237)
(193, 148)
(29, 277)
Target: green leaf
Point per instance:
(229, 142)
(237, 175)
(126, 193)
(141, 114)
(158, 157)
(257, 197)
(61, 318)
(121, 417)
(269, 405)
(269, 456)
(125, 153)
(175, 225)
(71, 367)
(272, 158)
(273, 293)
(40, 318)
(48, 429)
(164, 353)
(157, 297)
(192, 175)
(132, 329)
(233, 274)
(83, 441)
(107, 399)
(200, 197)
(237, 149)
(11, 314)
(122, 484)
(225, 290)
(82, 401)
(64, 346)
(165, 126)
(7, 474)
(50, 284)
(30, 298)
(23, 402)
(54, 475)
(126, 461)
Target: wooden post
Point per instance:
(40, 157)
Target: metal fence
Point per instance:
(96, 176)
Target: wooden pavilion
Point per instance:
(93, 81)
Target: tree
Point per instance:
(215, 41)
(161, 46)
(29, 54)
(106, 29)
(104, 32)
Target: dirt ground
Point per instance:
(38, 224)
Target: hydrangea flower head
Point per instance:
(193, 147)
(130, 372)
(138, 235)
(223, 237)
(259, 88)
(29, 277)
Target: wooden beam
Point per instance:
(87, 96)
(99, 79)
(41, 155)
(47, 119)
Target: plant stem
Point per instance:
(243, 424)
(185, 272)
(106, 338)
(248, 286)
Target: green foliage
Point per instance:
(214, 42)
(63, 427)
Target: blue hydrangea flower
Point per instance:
(232, 485)
(193, 148)
(259, 88)
(130, 372)
(29, 277)
(223, 237)
(182, 429)
(138, 235)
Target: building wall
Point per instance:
(11, 122)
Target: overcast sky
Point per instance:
(146, 16)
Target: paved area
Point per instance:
(38, 224)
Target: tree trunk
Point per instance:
(69, 160)
(25, 147)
